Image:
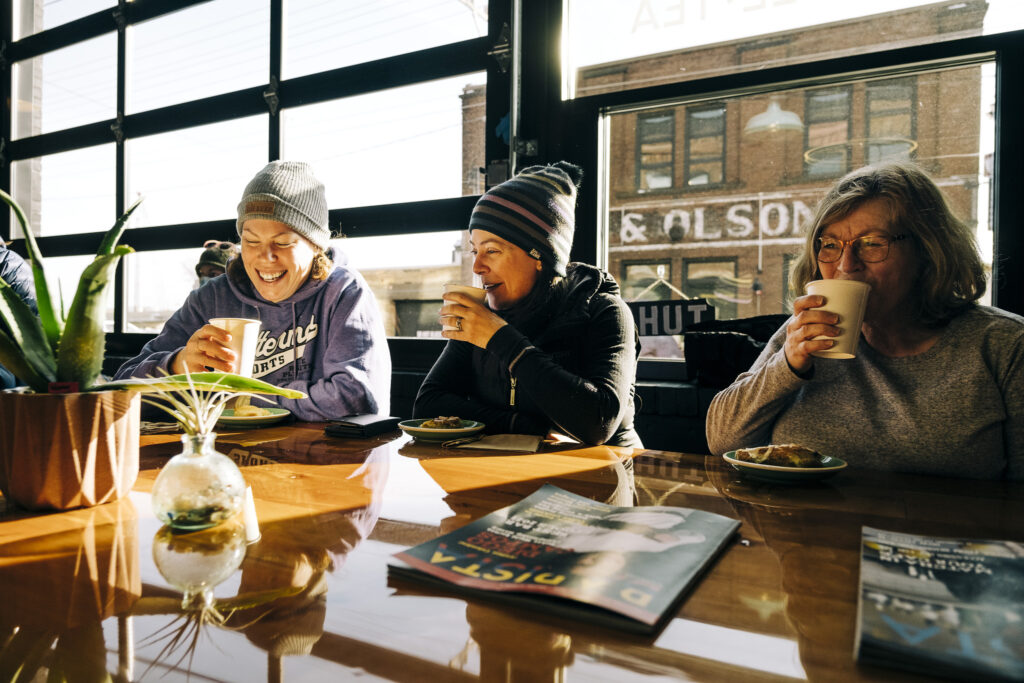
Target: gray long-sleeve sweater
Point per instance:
(955, 410)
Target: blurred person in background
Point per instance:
(215, 259)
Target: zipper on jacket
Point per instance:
(512, 392)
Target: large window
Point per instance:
(707, 130)
(182, 102)
(736, 241)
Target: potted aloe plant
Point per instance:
(62, 445)
(68, 440)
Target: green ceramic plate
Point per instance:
(229, 418)
(779, 474)
(412, 427)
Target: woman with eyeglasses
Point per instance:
(937, 385)
(320, 327)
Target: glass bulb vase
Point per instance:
(198, 488)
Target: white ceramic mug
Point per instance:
(848, 299)
(478, 294)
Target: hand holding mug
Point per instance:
(467, 319)
(226, 344)
(208, 347)
(806, 329)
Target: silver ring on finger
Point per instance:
(458, 324)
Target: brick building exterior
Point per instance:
(704, 203)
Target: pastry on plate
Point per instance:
(785, 455)
(251, 411)
(442, 423)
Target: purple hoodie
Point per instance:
(327, 340)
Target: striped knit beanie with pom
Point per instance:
(535, 210)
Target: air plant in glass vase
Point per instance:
(200, 487)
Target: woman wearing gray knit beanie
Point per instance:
(554, 350)
(320, 327)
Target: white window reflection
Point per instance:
(195, 174)
(407, 275)
(209, 49)
(66, 88)
(399, 145)
(158, 284)
(67, 193)
(327, 35)
(605, 37)
(33, 16)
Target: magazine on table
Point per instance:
(624, 567)
(951, 607)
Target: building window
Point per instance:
(652, 281)
(716, 281)
(705, 145)
(655, 134)
(826, 145)
(647, 280)
(890, 120)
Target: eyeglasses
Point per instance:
(226, 246)
(869, 249)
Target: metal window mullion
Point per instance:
(274, 79)
(120, 163)
(1008, 173)
(7, 121)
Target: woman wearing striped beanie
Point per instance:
(555, 347)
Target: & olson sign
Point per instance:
(738, 219)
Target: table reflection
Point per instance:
(87, 592)
(58, 588)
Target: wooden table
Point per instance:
(96, 590)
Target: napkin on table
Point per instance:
(523, 443)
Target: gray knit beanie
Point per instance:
(287, 191)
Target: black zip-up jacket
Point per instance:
(576, 376)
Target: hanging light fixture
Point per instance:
(773, 119)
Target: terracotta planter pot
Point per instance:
(61, 451)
